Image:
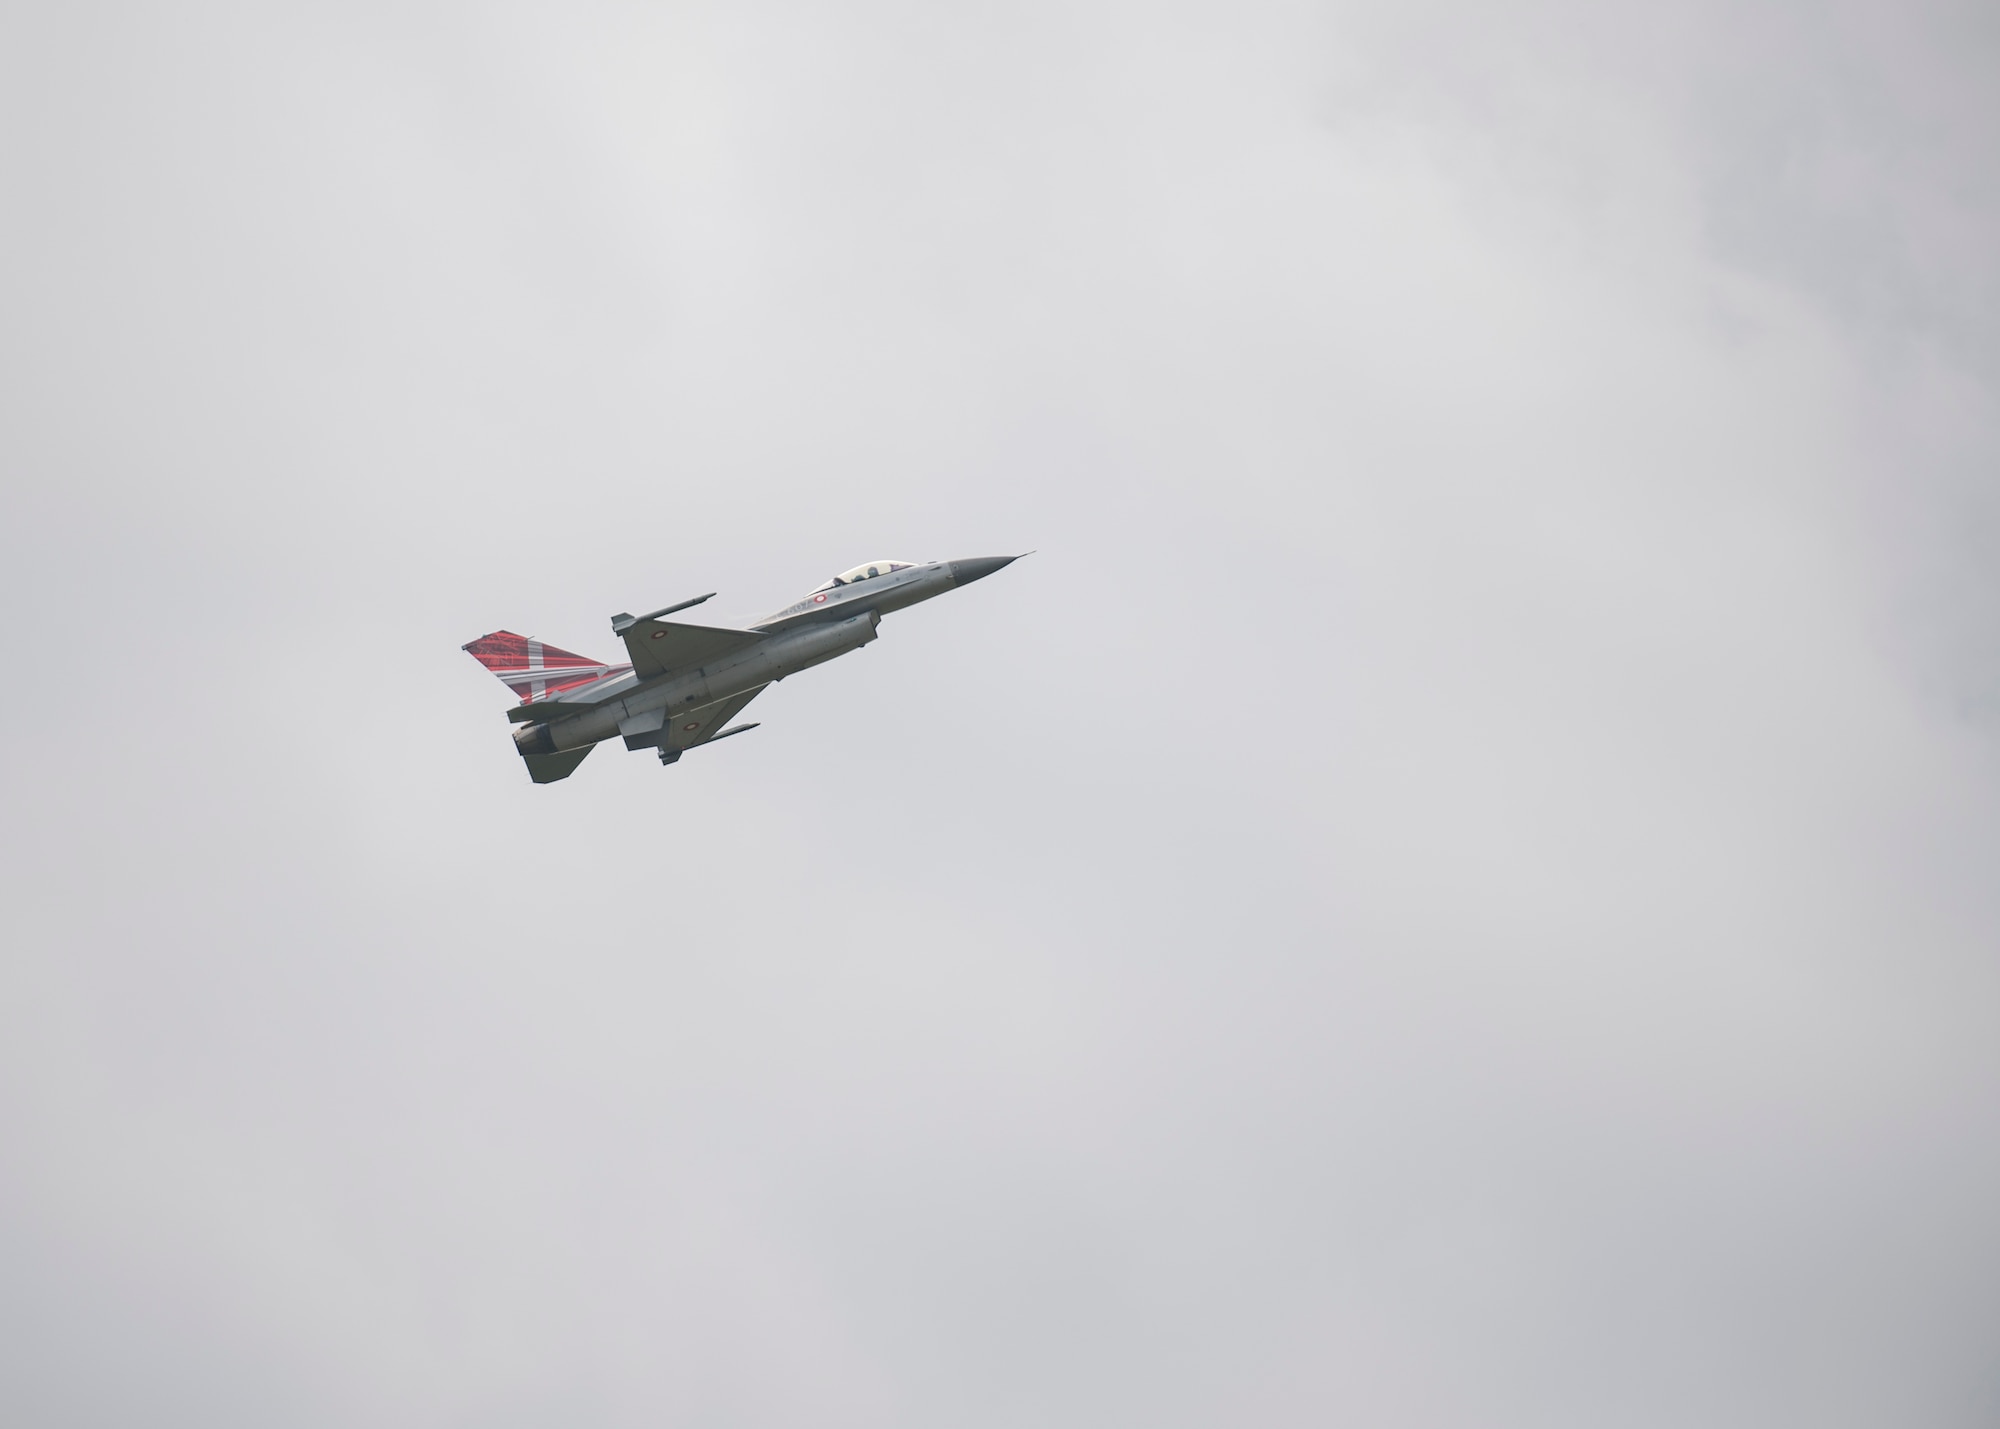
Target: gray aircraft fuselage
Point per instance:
(837, 618)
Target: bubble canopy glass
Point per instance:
(867, 572)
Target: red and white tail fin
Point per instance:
(533, 670)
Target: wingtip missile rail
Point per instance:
(624, 621)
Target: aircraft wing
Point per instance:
(705, 722)
(657, 646)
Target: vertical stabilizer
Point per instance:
(532, 669)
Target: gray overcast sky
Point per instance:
(1457, 889)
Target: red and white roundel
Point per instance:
(819, 600)
(659, 634)
(692, 726)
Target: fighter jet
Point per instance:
(683, 684)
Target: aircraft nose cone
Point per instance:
(977, 568)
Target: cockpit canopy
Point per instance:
(866, 573)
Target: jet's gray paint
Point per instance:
(676, 706)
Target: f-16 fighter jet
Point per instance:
(685, 683)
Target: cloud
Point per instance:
(1452, 889)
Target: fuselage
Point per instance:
(839, 617)
(892, 589)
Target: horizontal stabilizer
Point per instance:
(548, 711)
(547, 768)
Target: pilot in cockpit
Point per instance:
(867, 572)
